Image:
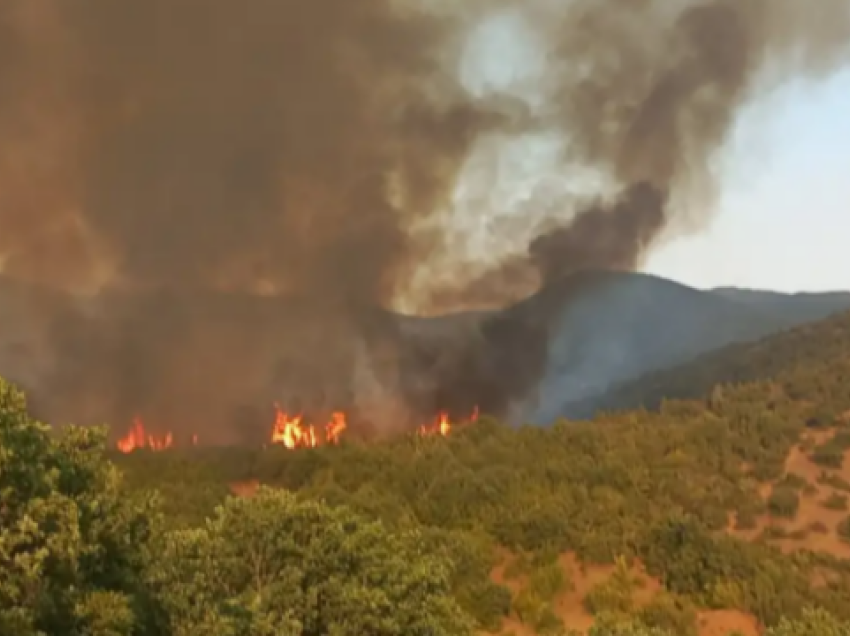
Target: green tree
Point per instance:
(273, 565)
(814, 622)
(71, 543)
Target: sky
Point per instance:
(783, 221)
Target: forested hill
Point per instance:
(796, 308)
(818, 345)
(726, 514)
(729, 512)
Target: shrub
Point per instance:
(774, 532)
(783, 502)
(548, 623)
(829, 455)
(841, 440)
(843, 529)
(836, 481)
(835, 502)
(528, 607)
(547, 581)
(746, 519)
(670, 613)
(793, 481)
(818, 527)
(613, 595)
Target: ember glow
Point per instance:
(137, 437)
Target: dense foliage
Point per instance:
(402, 537)
(80, 557)
(804, 353)
(71, 543)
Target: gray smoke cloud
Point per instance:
(235, 188)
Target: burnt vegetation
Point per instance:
(460, 534)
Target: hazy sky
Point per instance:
(784, 221)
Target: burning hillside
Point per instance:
(290, 431)
(207, 209)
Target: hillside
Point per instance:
(769, 357)
(799, 307)
(86, 358)
(622, 326)
(725, 513)
(590, 331)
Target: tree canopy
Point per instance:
(446, 536)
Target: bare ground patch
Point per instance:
(814, 525)
(725, 622)
(569, 605)
(244, 488)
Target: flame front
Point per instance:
(289, 431)
(137, 437)
(442, 426)
(292, 432)
(335, 427)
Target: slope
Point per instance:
(796, 308)
(626, 325)
(705, 515)
(571, 341)
(741, 362)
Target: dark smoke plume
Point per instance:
(213, 200)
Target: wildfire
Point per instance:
(289, 431)
(292, 432)
(442, 426)
(137, 437)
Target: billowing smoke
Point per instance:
(213, 203)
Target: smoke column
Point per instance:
(204, 204)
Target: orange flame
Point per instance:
(137, 437)
(442, 426)
(335, 427)
(292, 432)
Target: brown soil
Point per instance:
(244, 488)
(811, 511)
(569, 605)
(725, 622)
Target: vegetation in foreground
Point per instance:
(691, 509)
